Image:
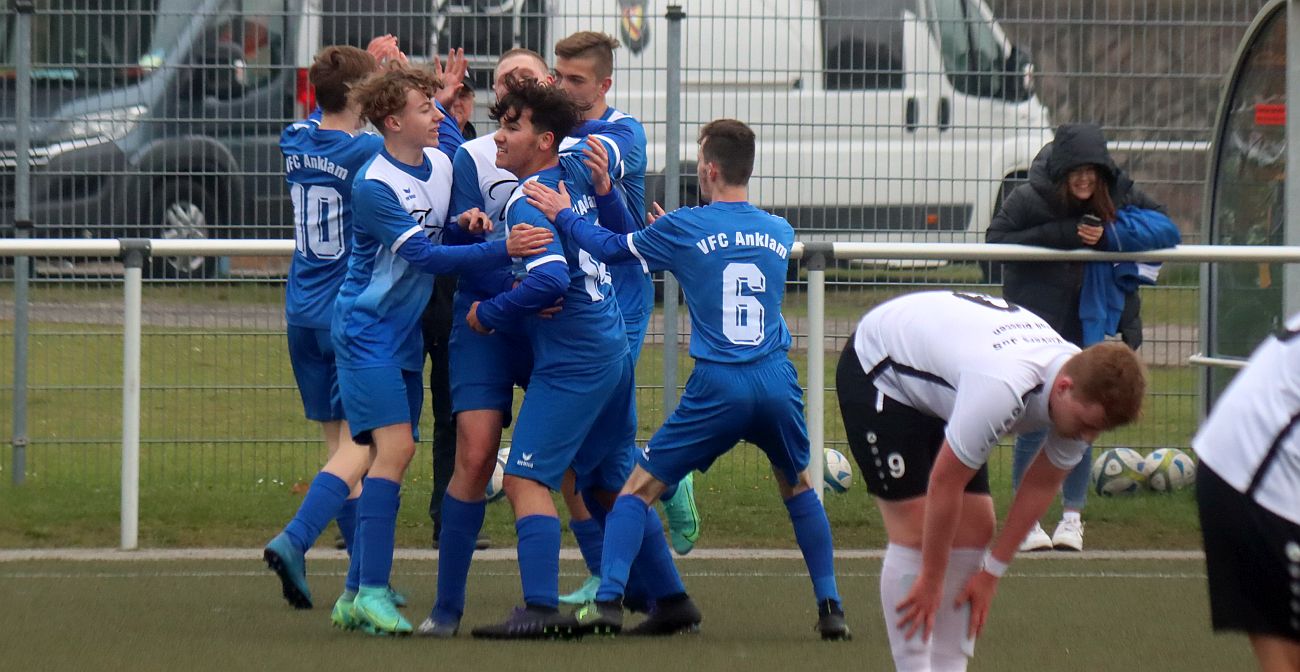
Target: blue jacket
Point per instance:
(1106, 283)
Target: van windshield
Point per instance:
(96, 42)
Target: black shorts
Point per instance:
(1252, 559)
(894, 444)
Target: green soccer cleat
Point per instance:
(584, 594)
(683, 517)
(374, 612)
(341, 616)
(289, 564)
(399, 600)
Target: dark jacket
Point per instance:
(1035, 214)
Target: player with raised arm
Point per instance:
(404, 193)
(922, 412)
(731, 259)
(579, 412)
(584, 67)
(1248, 494)
(484, 369)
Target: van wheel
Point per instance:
(183, 210)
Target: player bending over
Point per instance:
(927, 385)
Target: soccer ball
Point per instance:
(1169, 469)
(1118, 471)
(838, 473)
(495, 490)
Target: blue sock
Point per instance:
(591, 540)
(624, 533)
(539, 560)
(348, 525)
(654, 563)
(461, 523)
(813, 532)
(326, 494)
(347, 520)
(377, 516)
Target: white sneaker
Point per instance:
(1068, 536)
(1037, 540)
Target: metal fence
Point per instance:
(891, 121)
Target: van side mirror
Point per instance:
(216, 68)
(1019, 74)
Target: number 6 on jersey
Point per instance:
(742, 314)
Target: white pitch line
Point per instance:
(509, 574)
(504, 554)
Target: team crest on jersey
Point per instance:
(633, 25)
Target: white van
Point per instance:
(881, 120)
(887, 120)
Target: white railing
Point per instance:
(134, 252)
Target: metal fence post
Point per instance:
(22, 229)
(134, 253)
(1291, 188)
(814, 258)
(672, 195)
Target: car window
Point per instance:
(248, 36)
(356, 22)
(486, 29)
(97, 42)
(863, 44)
(972, 56)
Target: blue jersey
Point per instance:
(320, 166)
(590, 324)
(591, 319)
(730, 259)
(632, 284)
(402, 211)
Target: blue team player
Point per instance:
(401, 197)
(579, 411)
(584, 68)
(731, 259)
(484, 369)
(322, 155)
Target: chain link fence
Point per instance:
(896, 120)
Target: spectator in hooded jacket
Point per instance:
(1074, 190)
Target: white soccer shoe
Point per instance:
(1068, 536)
(1037, 540)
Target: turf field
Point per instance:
(1070, 613)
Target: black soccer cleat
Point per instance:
(831, 623)
(528, 623)
(598, 618)
(669, 617)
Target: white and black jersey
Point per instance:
(1250, 439)
(981, 364)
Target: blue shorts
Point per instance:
(585, 422)
(723, 404)
(380, 396)
(636, 326)
(311, 354)
(486, 368)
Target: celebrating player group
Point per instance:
(546, 224)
